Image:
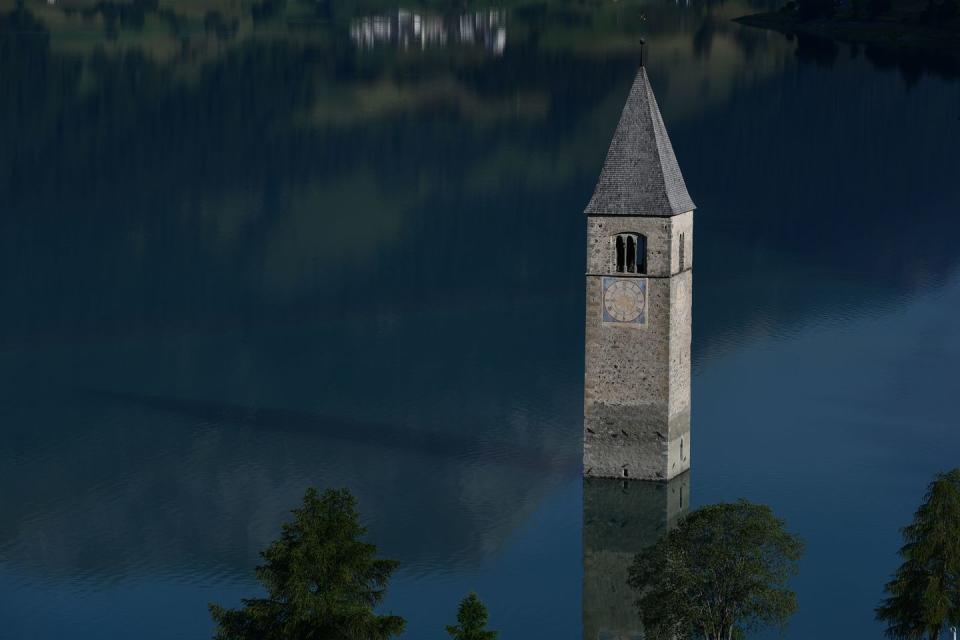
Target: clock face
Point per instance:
(625, 301)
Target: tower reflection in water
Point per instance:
(620, 519)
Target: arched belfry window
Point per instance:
(630, 253)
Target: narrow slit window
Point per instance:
(631, 254)
(641, 254)
(683, 247)
(620, 260)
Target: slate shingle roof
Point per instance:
(640, 176)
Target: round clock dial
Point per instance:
(624, 300)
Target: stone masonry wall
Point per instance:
(681, 309)
(626, 389)
(681, 286)
(601, 228)
(637, 380)
(682, 224)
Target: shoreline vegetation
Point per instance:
(324, 580)
(914, 27)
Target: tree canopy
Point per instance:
(924, 594)
(720, 573)
(322, 581)
(471, 621)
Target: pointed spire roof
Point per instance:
(640, 176)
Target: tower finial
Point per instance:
(643, 43)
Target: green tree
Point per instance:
(814, 9)
(719, 574)
(322, 581)
(471, 621)
(924, 593)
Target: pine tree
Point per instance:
(472, 621)
(322, 581)
(924, 593)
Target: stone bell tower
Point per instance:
(639, 285)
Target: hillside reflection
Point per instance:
(243, 250)
(270, 183)
(146, 488)
(172, 480)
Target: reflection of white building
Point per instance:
(407, 29)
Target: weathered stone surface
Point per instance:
(681, 225)
(640, 176)
(637, 379)
(637, 369)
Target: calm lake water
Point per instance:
(249, 249)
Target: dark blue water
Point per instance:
(248, 250)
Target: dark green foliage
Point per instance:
(924, 594)
(214, 22)
(820, 51)
(719, 574)
(130, 15)
(813, 9)
(322, 582)
(267, 10)
(471, 621)
(938, 11)
(876, 8)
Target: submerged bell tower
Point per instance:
(639, 286)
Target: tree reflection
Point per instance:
(817, 50)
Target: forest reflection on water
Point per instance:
(241, 254)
